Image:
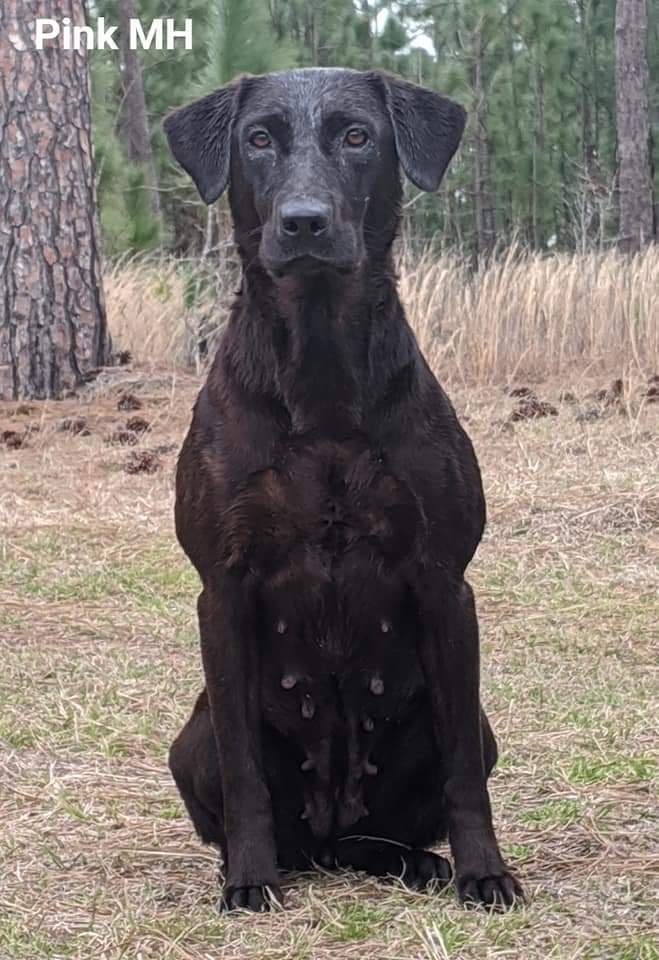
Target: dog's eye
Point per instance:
(260, 139)
(356, 137)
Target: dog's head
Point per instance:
(311, 158)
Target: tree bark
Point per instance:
(538, 155)
(52, 312)
(633, 125)
(135, 119)
(483, 202)
(587, 81)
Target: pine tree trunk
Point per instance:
(311, 32)
(52, 313)
(135, 120)
(366, 14)
(538, 156)
(483, 202)
(633, 125)
(587, 81)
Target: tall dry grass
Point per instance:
(522, 315)
(534, 316)
(162, 309)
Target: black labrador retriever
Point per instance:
(330, 501)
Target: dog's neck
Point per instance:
(327, 347)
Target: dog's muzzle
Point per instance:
(303, 235)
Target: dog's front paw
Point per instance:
(495, 891)
(258, 899)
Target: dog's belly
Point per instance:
(329, 536)
(335, 676)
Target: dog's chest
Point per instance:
(325, 509)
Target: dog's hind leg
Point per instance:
(195, 767)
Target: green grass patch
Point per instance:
(356, 921)
(643, 947)
(620, 769)
(157, 580)
(559, 813)
(18, 737)
(443, 935)
(518, 851)
(19, 944)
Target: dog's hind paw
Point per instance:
(423, 870)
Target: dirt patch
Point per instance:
(77, 426)
(125, 438)
(609, 396)
(142, 461)
(530, 406)
(13, 440)
(128, 401)
(138, 425)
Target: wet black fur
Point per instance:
(331, 502)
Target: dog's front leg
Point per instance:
(231, 666)
(449, 653)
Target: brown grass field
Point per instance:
(100, 666)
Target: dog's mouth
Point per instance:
(309, 265)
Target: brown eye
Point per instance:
(260, 139)
(356, 137)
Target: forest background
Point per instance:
(539, 163)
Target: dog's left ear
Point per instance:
(427, 129)
(199, 136)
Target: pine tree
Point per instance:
(633, 124)
(135, 122)
(52, 316)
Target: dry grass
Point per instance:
(159, 309)
(524, 315)
(146, 309)
(533, 316)
(100, 666)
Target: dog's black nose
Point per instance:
(304, 218)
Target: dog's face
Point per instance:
(312, 160)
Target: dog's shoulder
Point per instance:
(429, 449)
(227, 441)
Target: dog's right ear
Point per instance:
(199, 136)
